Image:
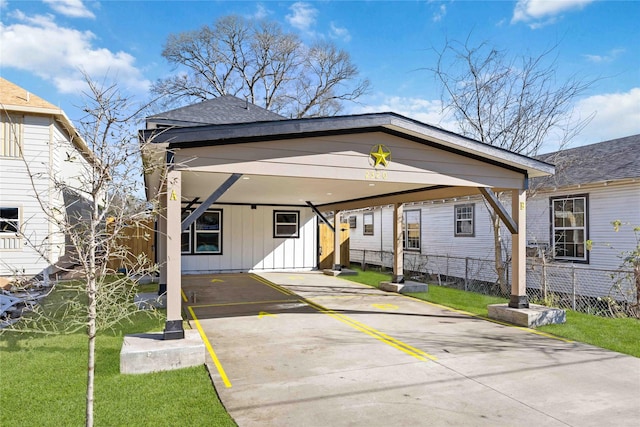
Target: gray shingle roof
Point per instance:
(226, 109)
(611, 160)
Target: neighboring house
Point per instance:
(37, 143)
(593, 186)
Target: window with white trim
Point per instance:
(411, 230)
(464, 216)
(367, 224)
(11, 135)
(286, 224)
(569, 228)
(207, 233)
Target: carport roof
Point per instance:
(391, 123)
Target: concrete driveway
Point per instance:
(304, 349)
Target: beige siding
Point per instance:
(324, 157)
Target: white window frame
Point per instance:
(279, 223)
(562, 227)
(368, 227)
(464, 214)
(406, 229)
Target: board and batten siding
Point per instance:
(248, 243)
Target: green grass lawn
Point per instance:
(43, 383)
(621, 335)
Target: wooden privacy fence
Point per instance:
(327, 246)
(135, 240)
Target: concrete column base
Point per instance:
(341, 272)
(531, 317)
(144, 353)
(403, 288)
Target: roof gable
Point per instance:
(226, 109)
(12, 95)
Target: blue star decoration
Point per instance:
(381, 155)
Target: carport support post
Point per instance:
(337, 263)
(398, 254)
(519, 297)
(173, 327)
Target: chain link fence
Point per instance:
(596, 291)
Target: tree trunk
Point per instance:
(92, 309)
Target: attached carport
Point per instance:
(323, 165)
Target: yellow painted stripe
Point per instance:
(224, 304)
(184, 297)
(207, 344)
(406, 348)
(272, 285)
(381, 336)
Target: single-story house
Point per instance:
(243, 189)
(37, 143)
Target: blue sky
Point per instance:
(44, 44)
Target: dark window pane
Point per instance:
(286, 230)
(9, 220)
(185, 242)
(208, 221)
(290, 218)
(207, 242)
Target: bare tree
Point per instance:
(98, 204)
(516, 104)
(259, 61)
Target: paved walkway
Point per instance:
(304, 349)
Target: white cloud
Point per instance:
(609, 57)
(38, 45)
(616, 115)
(424, 110)
(261, 12)
(71, 8)
(302, 16)
(442, 11)
(340, 33)
(538, 13)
